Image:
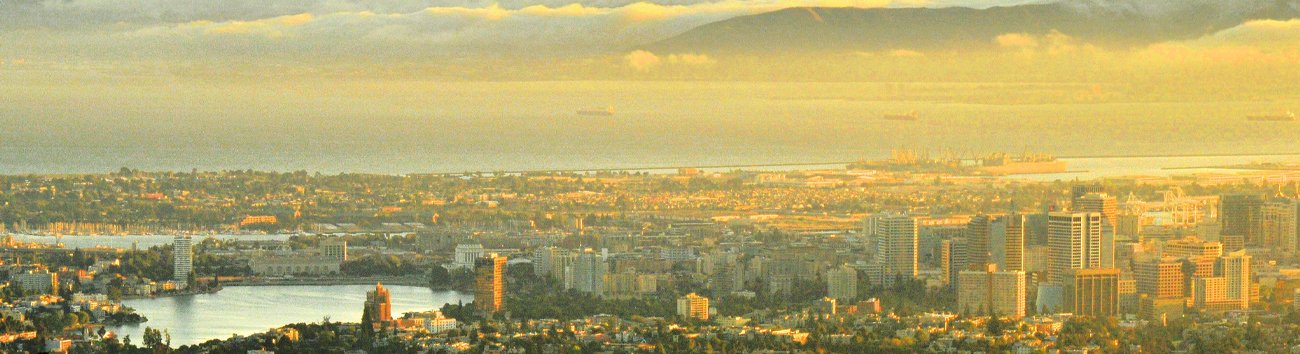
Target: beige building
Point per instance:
(992, 292)
(1160, 278)
(294, 265)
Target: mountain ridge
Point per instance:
(1125, 23)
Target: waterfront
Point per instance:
(128, 241)
(1107, 167)
(246, 310)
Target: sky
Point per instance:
(475, 38)
(362, 30)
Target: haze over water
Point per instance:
(414, 126)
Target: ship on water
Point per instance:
(603, 112)
(909, 116)
(1275, 117)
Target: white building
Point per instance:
(183, 259)
(896, 244)
(466, 254)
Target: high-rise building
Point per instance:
(1281, 217)
(1075, 241)
(693, 306)
(1091, 292)
(945, 260)
(1108, 207)
(335, 248)
(1241, 215)
(587, 273)
(380, 304)
(1007, 246)
(842, 283)
(1160, 278)
(182, 259)
(897, 245)
(1235, 269)
(489, 283)
(990, 291)
(978, 232)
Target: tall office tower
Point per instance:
(1091, 292)
(842, 283)
(335, 248)
(1280, 224)
(1008, 243)
(587, 274)
(182, 259)
(896, 251)
(380, 304)
(956, 260)
(990, 291)
(1075, 242)
(1235, 269)
(978, 232)
(1241, 215)
(1108, 207)
(1161, 278)
(693, 306)
(1102, 203)
(489, 283)
(945, 260)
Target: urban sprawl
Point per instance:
(910, 254)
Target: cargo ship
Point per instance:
(604, 112)
(1280, 117)
(913, 115)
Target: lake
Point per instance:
(247, 310)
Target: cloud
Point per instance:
(642, 60)
(905, 53)
(271, 28)
(1016, 40)
(1263, 41)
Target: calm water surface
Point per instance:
(246, 310)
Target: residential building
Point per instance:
(990, 291)
(693, 306)
(842, 283)
(489, 283)
(182, 259)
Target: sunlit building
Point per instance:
(693, 306)
(489, 283)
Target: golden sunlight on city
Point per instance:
(649, 176)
